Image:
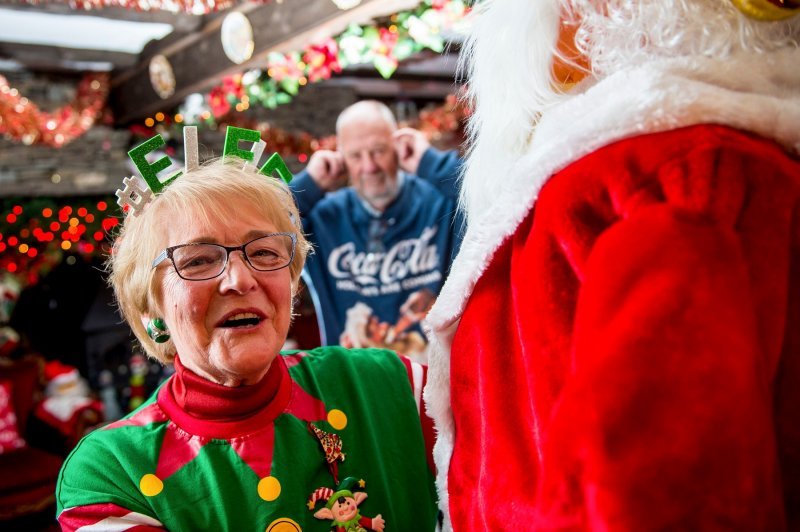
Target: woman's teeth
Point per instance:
(242, 319)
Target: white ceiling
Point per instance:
(78, 31)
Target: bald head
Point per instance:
(365, 138)
(370, 111)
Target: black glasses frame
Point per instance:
(167, 254)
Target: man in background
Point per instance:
(384, 243)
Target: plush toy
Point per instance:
(67, 396)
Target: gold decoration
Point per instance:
(161, 77)
(767, 11)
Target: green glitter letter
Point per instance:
(150, 171)
(276, 164)
(232, 137)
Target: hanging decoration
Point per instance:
(192, 7)
(382, 44)
(443, 124)
(445, 121)
(162, 77)
(36, 233)
(22, 121)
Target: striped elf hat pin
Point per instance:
(319, 494)
(135, 196)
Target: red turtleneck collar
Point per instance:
(212, 410)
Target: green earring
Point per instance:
(157, 330)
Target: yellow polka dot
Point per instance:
(269, 488)
(337, 419)
(283, 524)
(150, 485)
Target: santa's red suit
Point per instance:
(618, 343)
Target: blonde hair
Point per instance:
(207, 192)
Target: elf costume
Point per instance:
(617, 346)
(201, 456)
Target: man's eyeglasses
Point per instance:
(201, 261)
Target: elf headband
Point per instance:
(134, 198)
(768, 10)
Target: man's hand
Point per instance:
(327, 170)
(410, 146)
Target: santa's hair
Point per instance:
(508, 56)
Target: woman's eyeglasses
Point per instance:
(201, 261)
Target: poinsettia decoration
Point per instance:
(322, 60)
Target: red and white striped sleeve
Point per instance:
(418, 377)
(106, 517)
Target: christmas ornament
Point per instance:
(236, 35)
(341, 507)
(332, 447)
(21, 120)
(162, 78)
(768, 10)
(157, 330)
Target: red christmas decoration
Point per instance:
(322, 60)
(193, 7)
(21, 120)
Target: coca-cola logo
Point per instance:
(411, 257)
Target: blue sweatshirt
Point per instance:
(379, 260)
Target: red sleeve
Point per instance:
(666, 418)
(106, 517)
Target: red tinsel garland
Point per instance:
(22, 120)
(193, 7)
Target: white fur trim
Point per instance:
(751, 92)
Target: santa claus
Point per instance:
(617, 346)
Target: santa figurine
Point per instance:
(68, 405)
(617, 344)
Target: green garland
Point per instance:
(383, 44)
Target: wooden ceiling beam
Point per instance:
(198, 60)
(181, 22)
(45, 58)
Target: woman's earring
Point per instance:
(157, 330)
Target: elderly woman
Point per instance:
(243, 437)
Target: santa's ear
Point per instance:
(359, 496)
(323, 513)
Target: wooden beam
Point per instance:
(50, 58)
(198, 60)
(181, 22)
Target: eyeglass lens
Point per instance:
(204, 261)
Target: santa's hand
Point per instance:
(327, 169)
(378, 523)
(410, 146)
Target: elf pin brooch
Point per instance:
(341, 507)
(341, 503)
